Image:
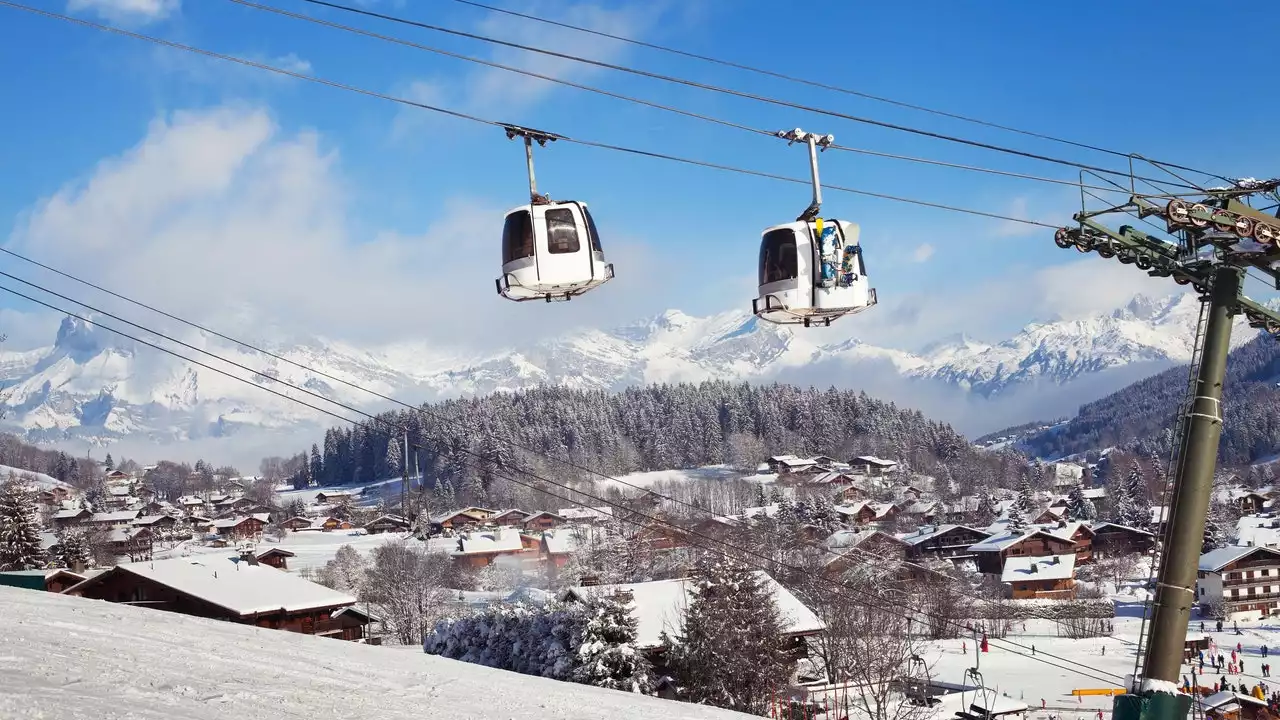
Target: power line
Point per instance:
(816, 84)
(397, 427)
(372, 417)
(641, 101)
(494, 123)
(718, 89)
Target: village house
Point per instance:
(119, 518)
(247, 526)
(1050, 516)
(593, 515)
(133, 543)
(788, 464)
(1249, 502)
(993, 552)
(872, 465)
(64, 519)
(1080, 535)
(1228, 705)
(386, 524)
(297, 523)
(659, 607)
(191, 503)
(863, 512)
(849, 549)
(479, 549)
(509, 518)
(461, 518)
(118, 476)
(943, 542)
(54, 496)
(275, 557)
(235, 589)
(1064, 475)
(1111, 540)
(155, 523)
(334, 496)
(1243, 581)
(542, 521)
(1043, 577)
(55, 580)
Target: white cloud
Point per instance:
(495, 92)
(220, 217)
(126, 11)
(922, 253)
(292, 63)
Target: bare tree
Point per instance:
(411, 589)
(345, 572)
(263, 492)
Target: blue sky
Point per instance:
(323, 211)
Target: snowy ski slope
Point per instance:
(66, 658)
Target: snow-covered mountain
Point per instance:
(92, 385)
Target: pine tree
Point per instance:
(1220, 522)
(1023, 506)
(1133, 506)
(317, 465)
(986, 512)
(1080, 507)
(730, 653)
(20, 547)
(393, 458)
(606, 647)
(109, 463)
(72, 550)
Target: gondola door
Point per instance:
(565, 258)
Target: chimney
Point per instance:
(1034, 568)
(77, 567)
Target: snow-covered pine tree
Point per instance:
(1134, 507)
(109, 464)
(986, 512)
(606, 646)
(393, 463)
(730, 653)
(72, 550)
(1023, 506)
(1080, 507)
(1220, 522)
(19, 529)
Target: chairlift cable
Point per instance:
(494, 123)
(648, 103)
(368, 415)
(717, 89)
(817, 84)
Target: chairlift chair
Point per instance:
(812, 270)
(550, 249)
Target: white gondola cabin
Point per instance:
(811, 270)
(550, 250)
(804, 280)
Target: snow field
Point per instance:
(68, 658)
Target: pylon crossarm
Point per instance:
(1259, 316)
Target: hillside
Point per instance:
(67, 658)
(90, 385)
(1138, 415)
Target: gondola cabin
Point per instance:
(812, 272)
(551, 251)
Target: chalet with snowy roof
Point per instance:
(68, 518)
(246, 526)
(1050, 515)
(461, 518)
(861, 513)
(478, 549)
(921, 511)
(872, 465)
(1110, 540)
(53, 496)
(155, 522)
(297, 523)
(1228, 705)
(119, 518)
(1044, 577)
(994, 552)
(659, 606)
(1064, 475)
(1081, 537)
(234, 588)
(191, 503)
(848, 549)
(133, 543)
(943, 542)
(386, 524)
(543, 521)
(1249, 501)
(334, 496)
(958, 512)
(1244, 581)
(513, 517)
(54, 580)
(788, 464)
(275, 557)
(118, 476)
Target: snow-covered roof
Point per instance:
(511, 511)
(873, 460)
(1097, 493)
(237, 586)
(659, 606)
(929, 532)
(1215, 560)
(1001, 540)
(149, 519)
(490, 541)
(231, 522)
(125, 534)
(69, 514)
(1099, 526)
(566, 539)
(119, 516)
(190, 500)
(1052, 567)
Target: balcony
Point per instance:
(1270, 579)
(1257, 597)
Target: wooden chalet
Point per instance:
(386, 524)
(118, 476)
(133, 543)
(849, 549)
(240, 527)
(943, 542)
(54, 496)
(297, 523)
(993, 552)
(543, 521)
(1044, 577)
(1110, 540)
(275, 557)
(788, 464)
(334, 496)
(872, 465)
(119, 518)
(1050, 515)
(70, 518)
(1081, 536)
(863, 512)
(235, 588)
(478, 549)
(55, 580)
(461, 518)
(156, 522)
(510, 518)
(1250, 502)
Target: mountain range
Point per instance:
(90, 385)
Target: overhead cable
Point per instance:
(494, 123)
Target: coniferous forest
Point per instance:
(646, 428)
(1139, 417)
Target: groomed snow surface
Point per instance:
(67, 658)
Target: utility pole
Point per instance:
(404, 478)
(1193, 486)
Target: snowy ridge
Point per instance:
(91, 385)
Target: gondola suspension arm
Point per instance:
(530, 137)
(814, 142)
